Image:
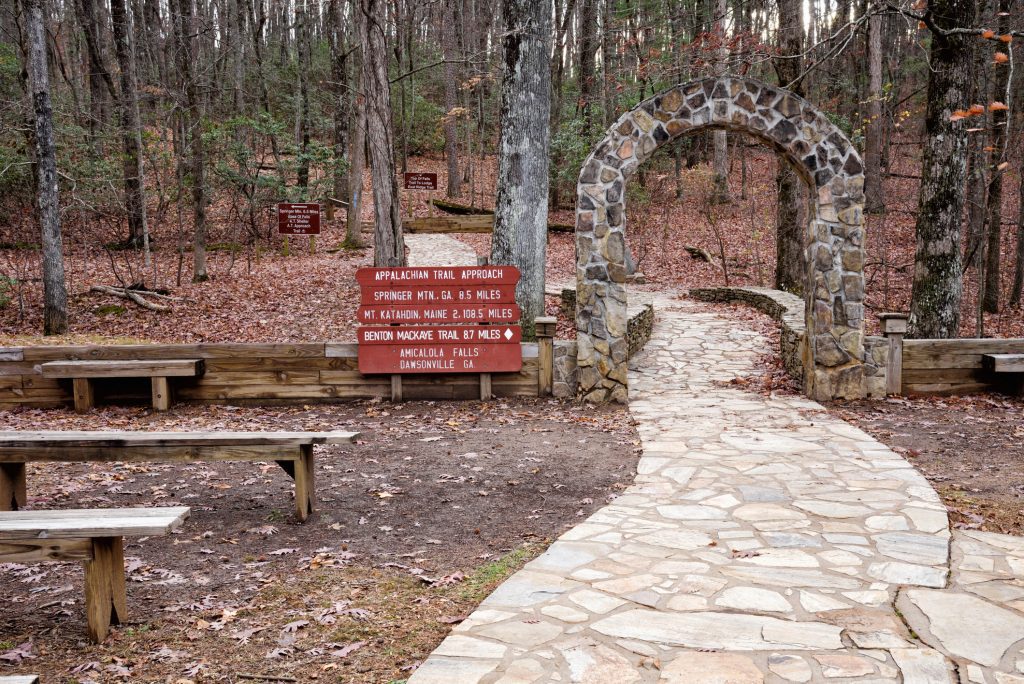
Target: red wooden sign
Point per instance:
(440, 349)
(420, 181)
(437, 275)
(298, 219)
(440, 313)
(444, 294)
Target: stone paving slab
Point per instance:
(762, 541)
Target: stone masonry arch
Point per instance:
(833, 243)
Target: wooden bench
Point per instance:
(1003, 363)
(293, 451)
(95, 537)
(20, 679)
(83, 372)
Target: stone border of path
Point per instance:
(763, 541)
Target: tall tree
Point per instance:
(587, 63)
(789, 262)
(720, 192)
(1018, 272)
(449, 43)
(521, 206)
(131, 128)
(340, 58)
(938, 278)
(874, 197)
(101, 85)
(388, 245)
(55, 295)
(193, 153)
(994, 205)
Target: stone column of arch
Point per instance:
(833, 242)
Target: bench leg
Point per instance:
(305, 485)
(84, 397)
(161, 394)
(13, 486)
(106, 601)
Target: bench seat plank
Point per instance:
(144, 368)
(90, 523)
(1004, 363)
(119, 439)
(20, 679)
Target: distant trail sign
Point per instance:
(482, 297)
(420, 181)
(298, 218)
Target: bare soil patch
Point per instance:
(970, 448)
(417, 522)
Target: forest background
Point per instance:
(177, 128)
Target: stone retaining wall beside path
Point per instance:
(789, 310)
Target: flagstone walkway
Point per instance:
(763, 541)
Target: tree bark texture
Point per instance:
(55, 296)
(342, 101)
(131, 127)
(874, 197)
(184, 20)
(789, 224)
(357, 164)
(451, 95)
(721, 146)
(994, 201)
(388, 245)
(938, 278)
(1018, 272)
(588, 64)
(521, 206)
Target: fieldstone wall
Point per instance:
(833, 241)
(788, 310)
(639, 329)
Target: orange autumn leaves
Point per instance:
(977, 110)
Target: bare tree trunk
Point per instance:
(342, 100)
(521, 206)
(720, 193)
(357, 164)
(874, 197)
(185, 48)
(451, 95)
(994, 208)
(388, 245)
(55, 295)
(131, 129)
(587, 64)
(302, 31)
(1018, 271)
(101, 85)
(938, 277)
(789, 261)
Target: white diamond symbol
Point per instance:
(508, 333)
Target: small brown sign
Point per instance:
(420, 181)
(298, 218)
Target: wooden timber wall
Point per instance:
(246, 373)
(954, 366)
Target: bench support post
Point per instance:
(161, 393)
(85, 399)
(13, 486)
(894, 327)
(305, 485)
(106, 601)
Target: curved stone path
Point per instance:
(763, 541)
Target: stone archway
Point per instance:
(833, 243)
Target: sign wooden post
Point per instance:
(458, 319)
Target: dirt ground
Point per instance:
(970, 448)
(429, 510)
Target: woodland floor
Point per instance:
(418, 521)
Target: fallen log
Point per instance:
(133, 295)
(465, 210)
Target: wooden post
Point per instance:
(485, 387)
(396, 387)
(106, 601)
(305, 483)
(13, 486)
(545, 327)
(161, 393)
(84, 397)
(894, 327)
(312, 245)
(287, 247)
